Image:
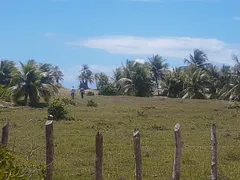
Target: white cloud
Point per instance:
(170, 47)
(140, 61)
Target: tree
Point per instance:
(31, 83)
(6, 69)
(158, 68)
(196, 84)
(198, 59)
(58, 75)
(85, 77)
(139, 80)
(173, 83)
(101, 80)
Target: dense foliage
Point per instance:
(9, 169)
(58, 108)
(29, 83)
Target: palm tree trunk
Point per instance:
(157, 85)
(26, 99)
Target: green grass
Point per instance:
(116, 118)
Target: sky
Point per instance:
(104, 33)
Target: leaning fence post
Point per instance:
(49, 150)
(99, 156)
(214, 153)
(138, 155)
(178, 153)
(5, 131)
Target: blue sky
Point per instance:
(104, 33)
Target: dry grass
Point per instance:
(116, 118)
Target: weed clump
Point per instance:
(91, 103)
(234, 105)
(90, 93)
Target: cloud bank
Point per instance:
(169, 47)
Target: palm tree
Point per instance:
(29, 83)
(172, 83)
(198, 59)
(85, 77)
(232, 90)
(196, 85)
(158, 68)
(6, 69)
(101, 80)
(58, 75)
(139, 80)
(236, 68)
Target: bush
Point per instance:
(8, 169)
(90, 93)
(5, 93)
(234, 105)
(67, 101)
(108, 90)
(91, 103)
(57, 109)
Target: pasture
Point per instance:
(117, 117)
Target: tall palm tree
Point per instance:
(85, 77)
(58, 75)
(101, 80)
(139, 82)
(172, 83)
(236, 68)
(198, 59)
(158, 68)
(6, 69)
(196, 85)
(28, 83)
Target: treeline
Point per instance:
(30, 82)
(198, 79)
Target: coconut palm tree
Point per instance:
(6, 69)
(58, 75)
(101, 80)
(31, 83)
(139, 80)
(172, 83)
(158, 68)
(198, 59)
(196, 84)
(85, 77)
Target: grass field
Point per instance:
(116, 118)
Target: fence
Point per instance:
(137, 152)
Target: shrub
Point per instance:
(67, 101)
(90, 93)
(8, 169)
(5, 93)
(91, 103)
(57, 109)
(234, 105)
(108, 90)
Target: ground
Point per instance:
(116, 118)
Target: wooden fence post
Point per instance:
(5, 131)
(138, 155)
(49, 150)
(178, 153)
(99, 156)
(214, 153)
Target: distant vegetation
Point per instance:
(199, 79)
(30, 82)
